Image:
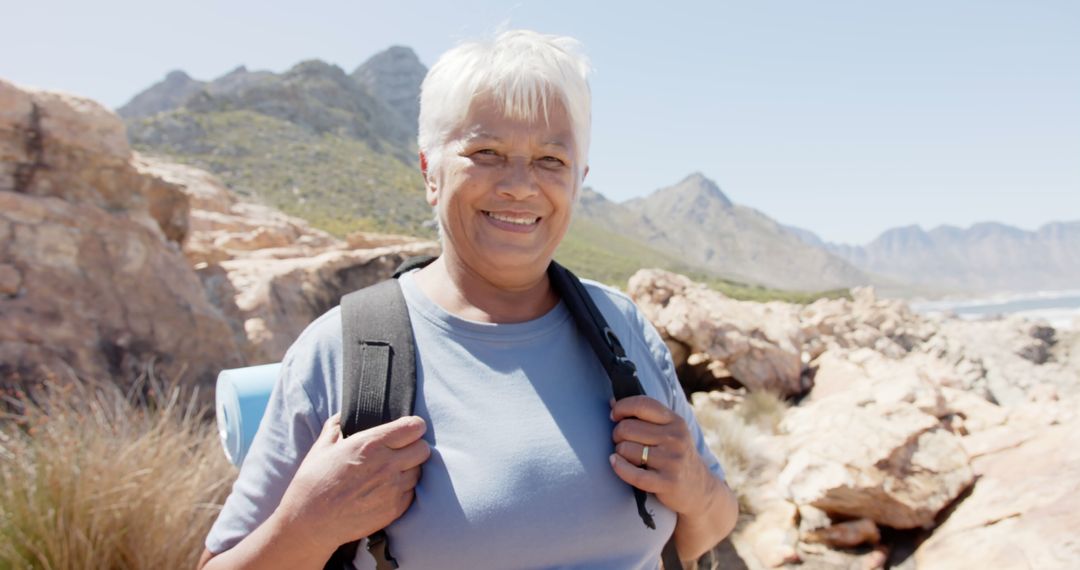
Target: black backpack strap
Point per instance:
(417, 262)
(624, 381)
(378, 382)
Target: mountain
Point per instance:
(394, 76)
(987, 257)
(312, 141)
(696, 222)
(339, 150)
(169, 93)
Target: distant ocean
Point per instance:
(1060, 308)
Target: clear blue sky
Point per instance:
(843, 117)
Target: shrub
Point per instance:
(91, 477)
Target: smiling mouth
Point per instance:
(516, 220)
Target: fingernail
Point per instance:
(611, 458)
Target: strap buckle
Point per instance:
(378, 545)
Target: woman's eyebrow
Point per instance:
(482, 136)
(557, 143)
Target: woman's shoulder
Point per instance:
(310, 365)
(637, 333)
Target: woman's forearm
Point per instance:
(274, 544)
(697, 533)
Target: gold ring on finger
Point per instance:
(644, 456)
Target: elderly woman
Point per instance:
(517, 455)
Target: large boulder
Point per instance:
(111, 261)
(756, 344)
(92, 281)
(887, 461)
(887, 326)
(276, 298)
(1022, 511)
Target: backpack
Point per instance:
(379, 375)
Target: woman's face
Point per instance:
(504, 190)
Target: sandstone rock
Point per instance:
(102, 297)
(10, 279)
(1021, 512)
(889, 462)
(757, 343)
(204, 190)
(1012, 355)
(53, 144)
(95, 284)
(774, 536)
(269, 273)
(277, 298)
(847, 534)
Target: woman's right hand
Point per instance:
(348, 488)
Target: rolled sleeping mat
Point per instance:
(242, 394)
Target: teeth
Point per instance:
(512, 220)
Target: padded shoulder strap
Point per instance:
(378, 347)
(621, 370)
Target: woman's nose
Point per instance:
(518, 180)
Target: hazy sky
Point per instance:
(843, 117)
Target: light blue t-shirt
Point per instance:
(519, 427)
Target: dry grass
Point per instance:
(741, 439)
(91, 477)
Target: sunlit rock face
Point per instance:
(94, 282)
(112, 263)
(888, 420)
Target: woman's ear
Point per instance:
(430, 191)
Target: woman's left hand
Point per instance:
(674, 472)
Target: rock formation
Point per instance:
(269, 273)
(394, 76)
(938, 425)
(93, 278)
(111, 261)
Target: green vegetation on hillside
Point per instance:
(338, 183)
(342, 184)
(591, 251)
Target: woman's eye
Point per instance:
(552, 161)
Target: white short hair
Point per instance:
(521, 70)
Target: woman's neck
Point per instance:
(468, 294)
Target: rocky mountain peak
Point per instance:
(177, 76)
(315, 68)
(696, 189)
(394, 75)
(169, 93)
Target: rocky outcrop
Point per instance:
(1021, 512)
(887, 462)
(755, 344)
(394, 76)
(165, 95)
(111, 261)
(269, 273)
(937, 425)
(93, 279)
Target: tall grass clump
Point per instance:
(741, 439)
(92, 477)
